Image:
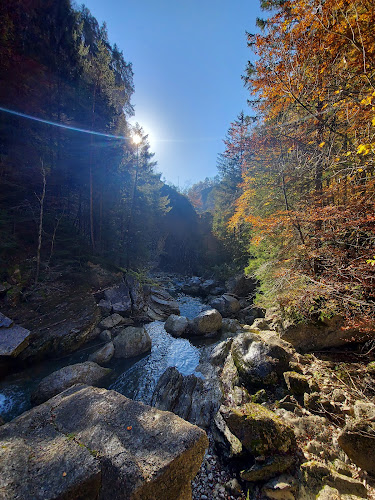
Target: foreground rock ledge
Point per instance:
(89, 443)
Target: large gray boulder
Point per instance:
(117, 299)
(227, 305)
(176, 325)
(260, 358)
(357, 439)
(103, 355)
(80, 373)
(206, 322)
(89, 444)
(189, 397)
(132, 341)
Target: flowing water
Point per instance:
(135, 378)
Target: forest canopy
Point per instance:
(307, 189)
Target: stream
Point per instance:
(135, 378)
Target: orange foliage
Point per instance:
(309, 188)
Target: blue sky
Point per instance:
(188, 58)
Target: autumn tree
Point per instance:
(307, 193)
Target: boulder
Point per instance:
(270, 468)
(187, 396)
(228, 444)
(176, 325)
(111, 321)
(260, 359)
(230, 325)
(89, 443)
(357, 439)
(316, 475)
(13, 338)
(220, 352)
(260, 430)
(160, 304)
(283, 487)
(192, 286)
(232, 304)
(132, 341)
(103, 355)
(363, 410)
(117, 299)
(167, 389)
(206, 322)
(105, 335)
(226, 305)
(297, 383)
(333, 332)
(241, 285)
(207, 286)
(80, 373)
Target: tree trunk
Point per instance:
(40, 230)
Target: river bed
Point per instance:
(135, 378)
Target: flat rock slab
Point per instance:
(89, 443)
(13, 338)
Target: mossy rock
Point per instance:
(271, 468)
(297, 383)
(260, 430)
(371, 368)
(259, 361)
(315, 475)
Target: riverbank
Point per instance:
(239, 381)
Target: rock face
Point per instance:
(260, 358)
(89, 443)
(176, 325)
(206, 322)
(132, 341)
(322, 481)
(160, 305)
(357, 439)
(260, 431)
(84, 373)
(13, 338)
(329, 333)
(117, 299)
(142, 302)
(103, 355)
(67, 324)
(188, 397)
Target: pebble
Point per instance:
(208, 483)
